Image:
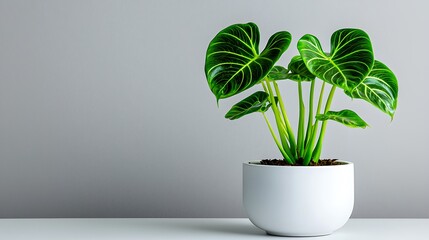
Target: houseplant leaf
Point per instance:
(233, 63)
(380, 88)
(298, 70)
(278, 73)
(346, 117)
(349, 62)
(258, 101)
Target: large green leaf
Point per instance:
(233, 63)
(380, 88)
(346, 117)
(349, 62)
(298, 70)
(257, 102)
(278, 73)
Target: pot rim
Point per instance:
(255, 164)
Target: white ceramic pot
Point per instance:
(298, 200)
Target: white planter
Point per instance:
(298, 200)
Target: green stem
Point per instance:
(279, 121)
(312, 139)
(283, 124)
(319, 104)
(301, 122)
(292, 140)
(310, 114)
(265, 87)
(285, 155)
(318, 149)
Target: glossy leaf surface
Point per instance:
(380, 88)
(257, 102)
(346, 117)
(278, 73)
(298, 70)
(349, 62)
(233, 63)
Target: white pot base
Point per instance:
(298, 200)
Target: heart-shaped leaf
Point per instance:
(233, 63)
(347, 65)
(257, 102)
(346, 117)
(380, 88)
(278, 73)
(298, 70)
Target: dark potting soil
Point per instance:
(321, 162)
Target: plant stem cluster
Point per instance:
(303, 149)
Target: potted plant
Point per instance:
(299, 195)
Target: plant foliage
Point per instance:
(234, 64)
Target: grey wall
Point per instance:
(105, 111)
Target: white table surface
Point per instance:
(195, 228)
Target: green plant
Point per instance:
(234, 64)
